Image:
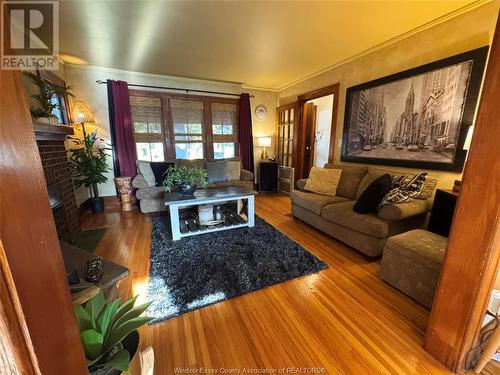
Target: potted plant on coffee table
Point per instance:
(108, 332)
(186, 179)
(43, 112)
(88, 159)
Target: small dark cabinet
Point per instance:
(442, 212)
(268, 177)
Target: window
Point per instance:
(169, 126)
(187, 122)
(61, 111)
(148, 128)
(224, 120)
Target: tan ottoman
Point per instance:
(411, 262)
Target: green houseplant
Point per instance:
(44, 104)
(104, 328)
(88, 159)
(185, 178)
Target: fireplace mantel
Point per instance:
(46, 132)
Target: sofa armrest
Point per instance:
(404, 210)
(301, 184)
(246, 175)
(140, 182)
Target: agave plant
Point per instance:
(103, 326)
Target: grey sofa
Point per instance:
(366, 233)
(151, 197)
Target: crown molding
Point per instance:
(425, 26)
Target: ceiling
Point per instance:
(259, 44)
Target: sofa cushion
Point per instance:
(428, 188)
(200, 163)
(422, 246)
(404, 210)
(159, 169)
(343, 214)
(313, 202)
(405, 188)
(323, 180)
(349, 180)
(223, 170)
(144, 168)
(154, 192)
(373, 173)
(370, 199)
(239, 183)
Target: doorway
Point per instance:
(318, 121)
(323, 108)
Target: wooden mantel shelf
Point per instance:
(45, 132)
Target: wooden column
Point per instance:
(473, 253)
(29, 239)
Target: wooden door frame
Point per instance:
(32, 252)
(324, 91)
(473, 253)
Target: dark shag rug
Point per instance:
(201, 270)
(89, 239)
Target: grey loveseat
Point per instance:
(366, 233)
(151, 197)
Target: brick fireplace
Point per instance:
(50, 140)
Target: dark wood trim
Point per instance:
(169, 142)
(208, 145)
(473, 254)
(30, 240)
(324, 91)
(17, 355)
(45, 132)
(54, 79)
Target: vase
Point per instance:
(188, 189)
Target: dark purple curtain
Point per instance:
(245, 133)
(120, 117)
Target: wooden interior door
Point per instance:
(307, 130)
(32, 252)
(286, 141)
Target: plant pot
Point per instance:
(130, 344)
(97, 205)
(188, 189)
(49, 120)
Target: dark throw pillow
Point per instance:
(159, 169)
(373, 194)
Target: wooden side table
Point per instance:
(442, 212)
(268, 176)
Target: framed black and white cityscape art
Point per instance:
(417, 118)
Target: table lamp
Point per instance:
(264, 142)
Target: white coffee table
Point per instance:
(190, 227)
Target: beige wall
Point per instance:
(465, 32)
(83, 80)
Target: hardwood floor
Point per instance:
(343, 319)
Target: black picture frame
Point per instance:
(478, 59)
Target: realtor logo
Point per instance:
(30, 35)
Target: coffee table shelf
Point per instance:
(190, 227)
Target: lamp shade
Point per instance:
(264, 141)
(468, 139)
(81, 113)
